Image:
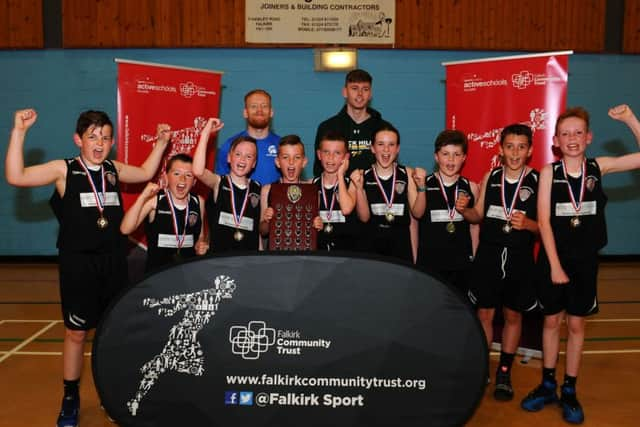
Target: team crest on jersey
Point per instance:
(193, 218)
(525, 193)
(111, 177)
(400, 186)
(590, 183)
(254, 199)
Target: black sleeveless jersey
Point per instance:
(161, 237)
(591, 234)
(492, 229)
(378, 205)
(220, 216)
(78, 214)
(437, 247)
(344, 229)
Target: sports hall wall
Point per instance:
(408, 89)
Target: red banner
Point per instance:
(149, 94)
(483, 96)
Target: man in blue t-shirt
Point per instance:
(258, 113)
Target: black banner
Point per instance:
(290, 340)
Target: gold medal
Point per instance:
(575, 222)
(389, 216)
(238, 235)
(328, 228)
(451, 227)
(102, 223)
(506, 228)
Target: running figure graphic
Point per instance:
(182, 352)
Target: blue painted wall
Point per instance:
(408, 89)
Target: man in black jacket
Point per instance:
(355, 121)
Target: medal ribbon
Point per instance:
(99, 201)
(387, 200)
(174, 220)
(237, 218)
(508, 213)
(576, 205)
(324, 197)
(451, 210)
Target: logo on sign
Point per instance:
(522, 79)
(252, 340)
(190, 89)
(182, 351)
(246, 398)
(230, 397)
(256, 338)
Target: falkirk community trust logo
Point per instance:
(256, 338)
(526, 78)
(190, 89)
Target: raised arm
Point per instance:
(202, 245)
(144, 204)
(266, 211)
(33, 176)
(627, 162)
(346, 195)
(362, 204)
(133, 174)
(417, 199)
(207, 177)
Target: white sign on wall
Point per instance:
(320, 21)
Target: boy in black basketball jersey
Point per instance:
(337, 197)
(88, 205)
(233, 205)
(291, 161)
(174, 224)
(387, 198)
(572, 226)
(503, 268)
(445, 238)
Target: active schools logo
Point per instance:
(256, 338)
(472, 83)
(241, 398)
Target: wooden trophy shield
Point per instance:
(294, 208)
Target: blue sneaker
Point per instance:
(69, 413)
(542, 395)
(571, 409)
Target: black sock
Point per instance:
(71, 388)
(506, 360)
(549, 374)
(570, 381)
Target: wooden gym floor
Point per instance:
(31, 365)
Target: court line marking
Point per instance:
(39, 353)
(612, 320)
(607, 351)
(28, 340)
(29, 321)
(496, 354)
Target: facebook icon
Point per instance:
(230, 397)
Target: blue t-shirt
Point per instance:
(266, 171)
